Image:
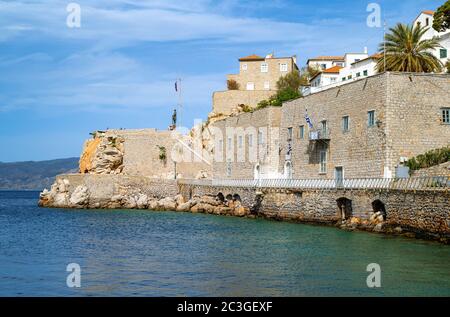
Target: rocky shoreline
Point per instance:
(60, 197)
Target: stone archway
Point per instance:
(379, 206)
(345, 210)
(221, 197)
(236, 197)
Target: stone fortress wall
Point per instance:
(124, 168)
(408, 122)
(236, 160)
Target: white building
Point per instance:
(360, 69)
(326, 77)
(325, 62)
(336, 70)
(426, 19)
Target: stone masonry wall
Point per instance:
(360, 151)
(225, 102)
(237, 159)
(102, 188)
(414, 115)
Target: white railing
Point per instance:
(415, 183)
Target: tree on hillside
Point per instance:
(406, 51)
(441, 17)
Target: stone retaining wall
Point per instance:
(420, 213)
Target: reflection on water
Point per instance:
(176, 254)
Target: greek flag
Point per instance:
(308, 120)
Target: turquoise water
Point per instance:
(144, 253)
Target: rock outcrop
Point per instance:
(60, 196)
(103, 154)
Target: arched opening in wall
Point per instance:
(221, 197)
(236, 197)
(345, 210)
(229, 197)
(378, 206)
(257, 172)
(288, 170)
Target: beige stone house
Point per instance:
(256, 81)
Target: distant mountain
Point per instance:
(34, 175)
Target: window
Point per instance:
(333, 79)
(366, 73)
(301, 132)
(240, 141)
(229, 144)
(340, 64)
(350, 77)
(250, 86)
(371, 118)
(250, 140)
(344, 79)
(427, 21)
(357, 60)
(443, 53)
(220, 146)
(264, 68)
(267, 85)
(323, 66)
(323, 162)
(289, 134)
(283, 67)
(244, 67)
(446, 115)
(260, 138)
(358, 74)
(324, 127)
(345, 124)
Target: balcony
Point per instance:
(320, 135)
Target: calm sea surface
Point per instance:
(139, 253)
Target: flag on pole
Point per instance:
(176, 86)
(308, 120)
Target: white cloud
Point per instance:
(154, 21)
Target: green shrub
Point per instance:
(162, 154)
(447, 65)
(429, 159)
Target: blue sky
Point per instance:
(118, 70)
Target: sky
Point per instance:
(118, 69)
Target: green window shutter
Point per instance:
(443, 53)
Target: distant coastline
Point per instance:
(34, 175)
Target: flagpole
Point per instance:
(384, 44)
(180, 104)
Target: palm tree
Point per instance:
(407, 52)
